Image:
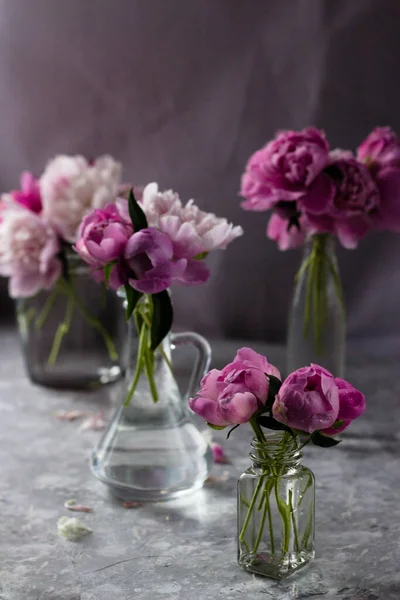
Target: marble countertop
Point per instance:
(185, 549)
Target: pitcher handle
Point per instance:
(203, 360)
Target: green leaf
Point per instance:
(271, 423)
(163, 315)
(275, 384)
(107, 273)
(216, 427)
(138, 218)
(230, 431)
(324, 441)
(132, 298)
(200, 256)
(274, 387)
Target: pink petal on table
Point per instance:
(213, 479)
(70, 415)
(132, 504)
(219, 454)
(95, 422)
(71, 505)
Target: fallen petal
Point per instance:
(213, 479)
(72, 529)
(95, 422)
(132, 504)
(219, 454)
(71, 505)
(70, 415)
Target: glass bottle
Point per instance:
(317, 323)
(275, 509)
(154, 450)
(73, 335)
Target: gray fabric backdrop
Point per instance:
(182, 91)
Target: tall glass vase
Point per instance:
(154, 450)
(317, 322)
(276, 509)
(72, 335)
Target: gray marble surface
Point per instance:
(185, 549)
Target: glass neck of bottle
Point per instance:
(160, 355)
(279, 451)
(321, 244)
(75, 265)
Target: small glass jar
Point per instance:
(73, 335)
(276, 509)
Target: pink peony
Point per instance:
(149, 256)
(287, 169)
(28, 251)
(71, 187)
(380, 151)
(380, 148)
(308, 400)
(233, 395)
(351, 406)
(102, 236)
(29, 194)
(285, 234)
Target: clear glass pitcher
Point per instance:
(155, 451)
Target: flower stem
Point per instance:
(47, 308)
(149, 368)
(317, 266)
(69, 290)
(251, 508)
(139, 363)
(285, 516)
(294, 523)
(62, 330)
(266, 512)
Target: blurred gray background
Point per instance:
(182, 92)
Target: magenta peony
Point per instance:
(308, 400)
(29, 194)
(380, 152)
(286, 169)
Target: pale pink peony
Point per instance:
(28, 250)
(71, 187)
(192, 231)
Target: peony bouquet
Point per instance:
(38, 225)
(310, 405)
(315, 193)
(144, 246)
